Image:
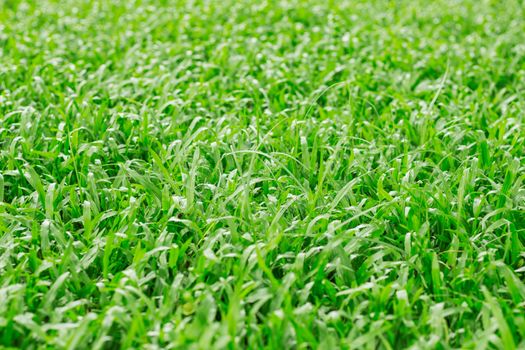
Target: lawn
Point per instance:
(293, 174)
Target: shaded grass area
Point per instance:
(274, 174)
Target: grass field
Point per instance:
(291, 174)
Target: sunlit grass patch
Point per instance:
(262, 174)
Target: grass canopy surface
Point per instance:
(295, 174)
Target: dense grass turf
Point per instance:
(262, 174)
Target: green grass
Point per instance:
(292, 174)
